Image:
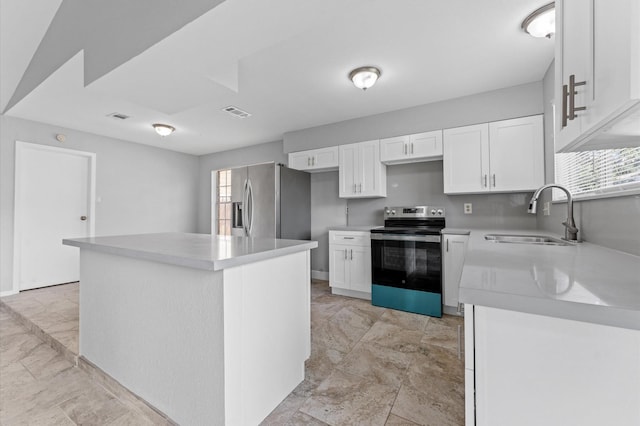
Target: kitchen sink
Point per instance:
(526, 239)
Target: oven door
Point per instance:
(412, 262)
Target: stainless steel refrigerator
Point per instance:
(270, 200)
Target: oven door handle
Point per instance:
(417, 238)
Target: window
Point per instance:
(594, 174)
(224, 202)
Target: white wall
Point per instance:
(142, 189)
(262, 153)
(610, 222)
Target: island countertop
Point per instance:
(583, 282)
(199, 251)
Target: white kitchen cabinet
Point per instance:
(315, 160)
(598, 48)
(501, 156)
(425, 146)
(350, 263)
(454, 248)
(531, 370)
(361, 174)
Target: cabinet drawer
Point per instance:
(352, 238)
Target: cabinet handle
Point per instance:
(459, 342)
(412, 148)
(313, 161)
(565, 115)
(404, 147)
(360, 187)
(494, 180)
(348, 238)
(485, 181)
(354, 188)
(572, 96)
(345, 254)
(447, 245)
(308, 161)
(351, 254)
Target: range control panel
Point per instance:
(414, 211)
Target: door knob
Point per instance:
(83, 218)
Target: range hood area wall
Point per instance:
(609, 222)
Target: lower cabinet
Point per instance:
(350, 263)
(454, 248)
(529, 369)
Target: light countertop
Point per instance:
(199, 251)
(583, 282)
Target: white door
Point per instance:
(360, 269)
(392, 149)
(348, 174)
(516, 154)
(466, 159)
(53, 200)
(428, 144)
(369, 183)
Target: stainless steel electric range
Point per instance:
(406, 260)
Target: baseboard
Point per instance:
(351, 293)
(8, 293)
(320, 275)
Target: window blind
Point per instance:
(591, 173)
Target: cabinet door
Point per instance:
(466, 159)
(299, 160)
(425, 145)
(616, 71)
(370, 169)
(325, 158)
(360, 268)
(394, 149)
(454, 248)
(516, 154)
(574, 57)
(349, 170)
(581, 373)
(338, 273)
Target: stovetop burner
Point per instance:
(417, 220)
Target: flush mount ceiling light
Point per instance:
(163, 129)
(364, 77)
(541, 22)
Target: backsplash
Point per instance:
(409, 184)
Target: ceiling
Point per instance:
(71, 63)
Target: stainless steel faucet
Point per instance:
(570, 231)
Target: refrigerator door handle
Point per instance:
(250, 207)
(245, 190)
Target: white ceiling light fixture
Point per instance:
(541, 22)
(163, 129)
(364, 77)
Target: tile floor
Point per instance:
(368, 365)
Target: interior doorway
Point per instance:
(54, 199)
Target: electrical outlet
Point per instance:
(468, 208)
(546, 210)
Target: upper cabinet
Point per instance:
(597, 74)
(315, 160)
(502, 156)
(361, 174)
(411, 148)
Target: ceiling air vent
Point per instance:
(236, 112)
(118, 115)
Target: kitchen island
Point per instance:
(552, 333)
(206, 329)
